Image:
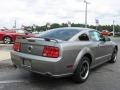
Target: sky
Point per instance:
(39, 12)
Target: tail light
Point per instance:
(17, 47)
(50, 51)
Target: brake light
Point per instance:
(50, 51)
(17, 47)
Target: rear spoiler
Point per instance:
(50, 39)
(31, 40)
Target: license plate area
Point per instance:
(27, 63)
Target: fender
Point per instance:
(82, 52)
(12, 36)
(6, 36)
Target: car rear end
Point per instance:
(40, 56)
(48, 54)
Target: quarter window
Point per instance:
(84, 37)
(95, 36)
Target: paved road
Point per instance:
(105, 77)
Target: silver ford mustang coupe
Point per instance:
(64, 51)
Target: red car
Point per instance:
(106, 33)
(9, 36)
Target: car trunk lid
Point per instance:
(35, 46)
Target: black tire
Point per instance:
(82, 72)
(14, 66)
(7, 40)
(114, 56)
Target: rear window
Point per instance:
(61, 34)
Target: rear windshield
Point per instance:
(61, 34)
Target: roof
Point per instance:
(78, 28)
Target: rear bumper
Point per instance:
(42, 65)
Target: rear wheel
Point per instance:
(7, 40)
(114, 56)
(82, 72)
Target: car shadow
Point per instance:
(102, 68)
(48, 83)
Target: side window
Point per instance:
(95, 36)
(84, 37)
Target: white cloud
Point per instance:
(39, 12)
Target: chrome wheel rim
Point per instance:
(84, 70)
(7, 40)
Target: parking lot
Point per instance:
(104, 77)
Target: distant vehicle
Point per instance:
(106, 33)
(9, 36)
(64, 51)
(117, 33)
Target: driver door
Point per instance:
(100, 47)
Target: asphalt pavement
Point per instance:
(104, 77)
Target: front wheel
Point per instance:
(82, 72)
(114, 56)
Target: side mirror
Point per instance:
(26, 33)
(103, 39)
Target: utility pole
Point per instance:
(113, 28)
(69, 24)
(33, 27)
(14, 24)
(48, 26)
(97, 23)
(86, 12)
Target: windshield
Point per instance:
(61, 34)
(20, 31)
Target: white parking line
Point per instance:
(13, 81)
(4, 55)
